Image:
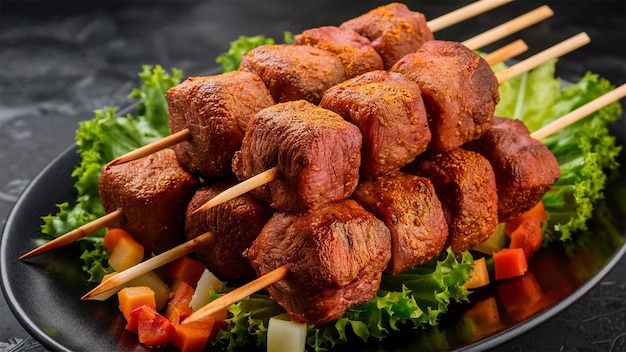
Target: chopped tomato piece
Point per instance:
(528, 236)
(509, 263)
(538, 212)
(179, 305)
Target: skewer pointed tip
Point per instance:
(75, 234)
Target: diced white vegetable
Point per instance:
(284, 335)
(206, 283)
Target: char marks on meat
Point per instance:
(389, 110)
(294, 72)
(336, 255)
(216, 110)
(152, 193)
(235, 224)
(525, 169)
(465, 184)
(393, 29)
(316, 151)
(411, 210)
(354, 50)
(459, 89)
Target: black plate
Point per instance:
(44, 292)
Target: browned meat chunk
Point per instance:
(354, 51)
(466, 186)
(235, 224)
(459, 89)
(393, 29)
(389, 110)
(411, 210)
(152, 193)
(336, 256)
(317, 153)
(525, 168)
(216, 110)
(294, 72)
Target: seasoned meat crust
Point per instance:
(235, 224)
(336, 255)
(294, 72)
(354, 51)
(393, 29)
(389, 110)
(216, 110)
(409, 207)
(317, 153)
(466, 186)
(459, 89)
(525, 169)
(152, 193)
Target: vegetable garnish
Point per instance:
(99, 141)
(584, 150)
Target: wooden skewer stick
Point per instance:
(581, 112)
(153, 147)
(507, 52)
(553, 52)
(508, 28)
(243, 187)
(238, 294)
(463, 13)
(76, 234)
(117, 280)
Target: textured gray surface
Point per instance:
(60, 61)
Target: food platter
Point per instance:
(44, 292)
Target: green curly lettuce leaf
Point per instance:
(99, 141)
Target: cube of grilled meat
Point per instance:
(393, 29)
(409, 207)
(354, 51)
(459, 89)
(235, 224)
(294, 72)
(525, 169)
(216, 110)
(466, 186)
(389, 110)
(317, 153)
(336, 255)
(152, 193)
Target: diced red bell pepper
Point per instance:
(538, 212)
(179, 304)
(509, 262)
(153, 329)
(528, 236)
